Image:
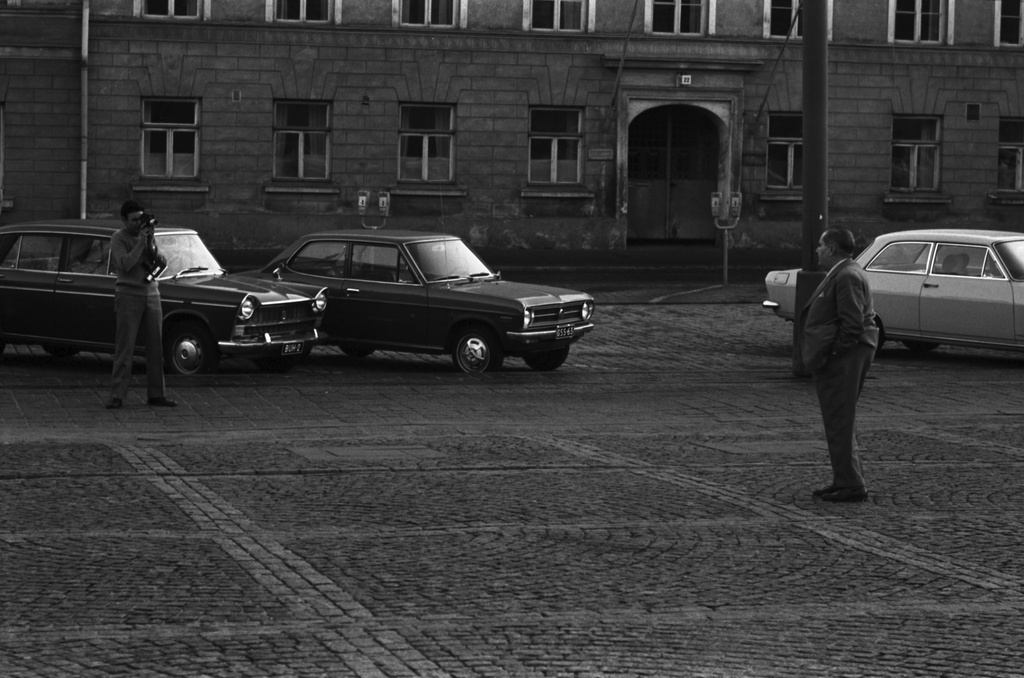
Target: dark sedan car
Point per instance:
(57, 290)
(430, 293)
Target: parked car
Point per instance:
(937, 286)
(57, 290)
(430, 293)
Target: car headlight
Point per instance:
(527, 317)
(246, 308)
(320, 301)
(588, 310)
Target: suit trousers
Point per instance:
(839, 384)
(135, 312)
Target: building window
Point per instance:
(917, 20)
(170, 138)
(301, 10)
(1009, 26)
(188, 9)
(677, 17)
(785, 19)
(557, 15)
(301, 136)
(428, 12)
(426, 142)
(785, 164)
(1011, 151)
(915, 154)
(555, 142)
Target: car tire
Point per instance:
(545, 361)
(357, 351)
(189, 349)
(60, 351)
(919, 346)
(476, 350)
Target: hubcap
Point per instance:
(474, 353)
(187, 354)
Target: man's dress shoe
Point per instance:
(846, 494)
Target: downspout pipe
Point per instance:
(622, 59)
(83, 177)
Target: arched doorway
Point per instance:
(673, 167)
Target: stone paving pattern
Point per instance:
(643, 511)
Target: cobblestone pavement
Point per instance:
(643, 511)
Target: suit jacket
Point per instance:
(838, 316)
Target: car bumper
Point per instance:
(776, 308)
(272, 346)
(538, 336)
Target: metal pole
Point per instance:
(815, 150)
(815, 155)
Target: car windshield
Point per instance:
(1012, 254)
(186, 253)
(447, 260)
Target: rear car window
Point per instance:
(1012, 254)
(902, 257)
(321, 257)
(33, 253)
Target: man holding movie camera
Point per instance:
(136, 260)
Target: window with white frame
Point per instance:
(917, 20)
(426, 141)
(182, 9)
(556, 138)
(170, 138)
(785, 164)
(301, 140)
(915, 154)
(557, 15)
(1011, 154)
(785, 18)
(1009, 26)
(428, 12)
(302, 10)
(676, 17)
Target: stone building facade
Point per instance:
(516, 123)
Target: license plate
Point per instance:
(292, 349)
(563, 332)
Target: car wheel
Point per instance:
(476, 350)
(545, 361)
(60, 351)
(189, 348)
(919, 346)
(356, 351)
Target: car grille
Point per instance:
(557, 315)
(282, 321)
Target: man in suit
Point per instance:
(838, 344)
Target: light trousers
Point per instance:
(135, 312)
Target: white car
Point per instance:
(937, 286)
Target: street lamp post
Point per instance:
(815, 158)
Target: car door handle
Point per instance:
(931, 284)
(351, 290)
(65, 280)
